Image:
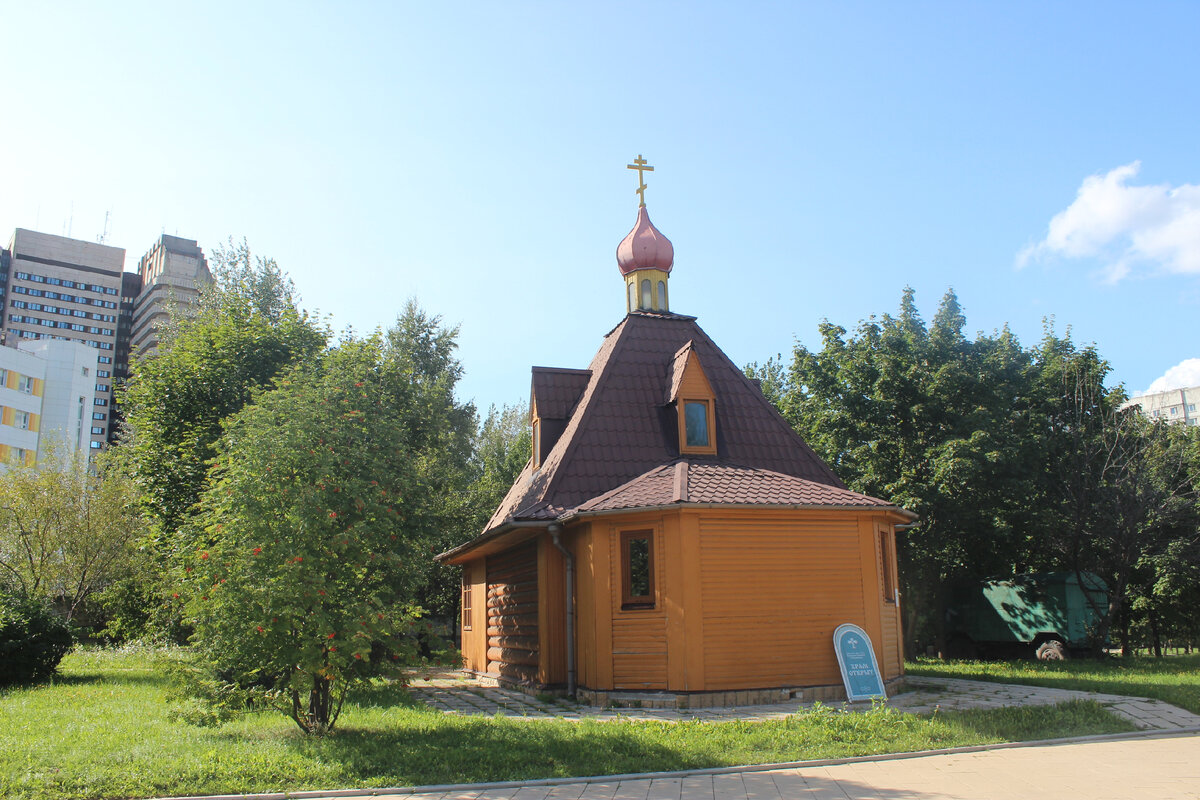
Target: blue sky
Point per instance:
(811, 161)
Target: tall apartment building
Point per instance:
(65, 289)
(169, 275)
(1173, 405)
(59, 289)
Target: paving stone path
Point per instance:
(1115, 769)
(454, 693)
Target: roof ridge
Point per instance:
(681, 481)
(570, 370)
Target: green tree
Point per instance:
(67, 527)
(935, 422)
(325, 501)
(502, 449)
(245, 328)
(1120, 490)
(499, 451)
(1016, 460)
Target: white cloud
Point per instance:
(1126, 227)
(1181, 376)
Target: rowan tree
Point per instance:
(314, 536)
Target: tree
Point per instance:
(67, 528)
(314, 534)
(1121, 489)
(934, 422)
(1016, 460)
(245, 328)
(497, 453)
(502, 449)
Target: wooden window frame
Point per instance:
(468, 606)
(681, 413)
(629, 601)
(887, 557)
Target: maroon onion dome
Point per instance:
(645, 247)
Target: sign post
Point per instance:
(856, 658)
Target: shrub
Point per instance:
(33, 639)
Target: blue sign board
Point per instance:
(856, 657)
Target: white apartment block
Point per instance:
(1174, 405)
(22, 386)
(69, 391)
(46, 394)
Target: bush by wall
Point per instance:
(33, 639)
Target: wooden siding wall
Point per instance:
(744, 600)
(593, 617)
(512, 614)
(474, 641)
(773, 591)
(552, 613)
(891, 661)
(639, 636)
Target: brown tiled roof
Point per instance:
(555, 390)
(708, 483)
(621, 429)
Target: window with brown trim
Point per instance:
(695, 424)
(886, 559)
(466, 603)
(637, 569)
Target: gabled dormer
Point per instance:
(553, 395)
(695, 405)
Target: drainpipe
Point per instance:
(555, 530)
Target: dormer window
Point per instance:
(695, 404)
(695, 423)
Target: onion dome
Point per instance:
(645, 247)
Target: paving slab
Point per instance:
(1162, 767)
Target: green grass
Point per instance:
(1175, 679)
(103, 729)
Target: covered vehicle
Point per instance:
(1048, 615)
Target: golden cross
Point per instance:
(640, 164)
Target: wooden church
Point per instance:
(671, 533)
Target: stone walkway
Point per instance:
(454, 693)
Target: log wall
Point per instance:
(512, 614)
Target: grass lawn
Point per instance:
(102, 729)
(1174, 679)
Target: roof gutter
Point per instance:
(570, 517)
